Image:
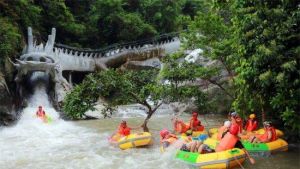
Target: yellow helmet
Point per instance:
(252, 116)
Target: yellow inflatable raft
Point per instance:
(279, 133)
(196, 133)
(218, 160)
(214, 132)
(274, 146)
(135, 140)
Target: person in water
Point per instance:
(251, 123)
(195, 124)
(231, 139)
(41, 114)
(167, 138)
(268, 136)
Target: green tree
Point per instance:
(266, 34)
(117, 87)
(56, 14)
(211, 31)
(10, 38)
(181, 76)
(255, 41)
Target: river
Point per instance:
(32, 144)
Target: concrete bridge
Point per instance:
(61, 61)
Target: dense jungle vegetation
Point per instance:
(256, 42)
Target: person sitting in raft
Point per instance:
(179, 126)
(124, 130)
(232, 139)
(237, 120)
(251, 123)
(41, 113)
(196, 147)
(223, 130)
(167, 138)
(195, 124)
(268, 136)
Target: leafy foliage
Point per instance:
(91, 23)
(9, 34)
(268, 77)
(115, 86)
(181, 76)
(256, 43)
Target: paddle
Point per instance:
(238, 162)
(162, 149)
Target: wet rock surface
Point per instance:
(7, 115)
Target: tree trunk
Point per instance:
(144, 125)
(263, 114)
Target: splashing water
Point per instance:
(34, 144)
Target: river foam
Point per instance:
(33, 144)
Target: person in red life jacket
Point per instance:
(167, 138)
(268, 136)
(223, 130)
(251, 123)
(179, 126)
(41, 113)
(124, 130)
(236, 119)
(231, 139)
(195, 124)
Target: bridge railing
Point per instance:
(160, 39)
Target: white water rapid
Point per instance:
(33, 144)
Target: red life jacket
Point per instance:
(264, 137)
(240, 124)
(124, 131)
(274, 135)
(180, 127)
(251, 125)
(227, 142)
(234, 129)
(195, 122)
(40, 113)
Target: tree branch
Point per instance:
(219, 85)
(142, 102)
(226, 67)
(157, 106)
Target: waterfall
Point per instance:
(33, 144)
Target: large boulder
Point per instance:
(145, 64)
(7, 115)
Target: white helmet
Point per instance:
(227, 123)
